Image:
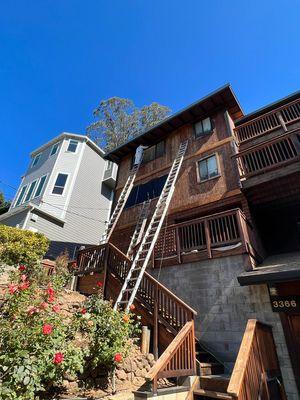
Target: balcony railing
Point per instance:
(280, 151)
(280, 117)
(207, 237)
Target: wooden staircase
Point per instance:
(256, 374)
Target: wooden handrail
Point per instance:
(256, 362)
(179, 358)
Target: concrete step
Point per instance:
(210, 394)
(217, 383)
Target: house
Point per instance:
(66, 193)
(225, 264)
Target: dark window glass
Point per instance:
(72, 147)
(30, 191)
(54, 149)
(40, 186)
(154, 152)
(60, 184)
(148, 190)
(21, 195)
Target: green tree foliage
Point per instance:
(119, 120)
(4, 204)
(21, 246)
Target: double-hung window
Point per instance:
(54, 149)
(60, 184)
(40, 186)
(36, 160)
(30, 191)
(21, 196)
(72, 146)
(208, 168)
(154, 152)
(203, 127)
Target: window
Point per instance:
(54, 149)
(36, 160)
(203, 127)
(72, 147)
(154, 152)
(109, 165)
(30, 191)
(40, 186)
(60, 184)
(148, 190)
(208, 168)
(21, 196)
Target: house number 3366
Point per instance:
(284, 303)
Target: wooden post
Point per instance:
(145, 340)
(282, 123)
(155, 324)
(107, 249)
(207, 236)
(178, 245)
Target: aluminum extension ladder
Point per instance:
(141, 260)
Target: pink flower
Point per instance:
(132, 307)
(32, 310)
(56, 308)
(22, 268)
(23, 278)
(58, 358)
(99, 284)
(83, 311)
(51, 299)
(118, 357)
(24, 285)
(50, 291)
(12, 288)
(44, 305)
(47, 329)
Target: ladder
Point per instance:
(139, 228)
(141, 260)
(120, 205)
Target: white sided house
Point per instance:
(66, 193)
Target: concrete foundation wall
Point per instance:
(224, 307)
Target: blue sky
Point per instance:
(60, 57)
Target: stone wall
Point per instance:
(224, 307)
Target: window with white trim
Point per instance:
(21, 196)
(36, 160)
(208, 168)
(72, 146)
(60, 184)
(30, 191)
(203, 127)
(54, 149)
(40, 186)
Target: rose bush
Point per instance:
(38, 343)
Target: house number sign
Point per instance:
(285, 303)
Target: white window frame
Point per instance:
(69, 142)
(19, 193)
(39, 180)
(34, 182)
(57, 148)
(64, 189)
(36, 157)
(216, 155)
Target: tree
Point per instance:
(4, 204)
(119, 120)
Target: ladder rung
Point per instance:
(123, 302)
(128, 290)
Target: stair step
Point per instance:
(212, 394)
(218, 383)
(211, 368)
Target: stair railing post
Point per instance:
(155, 324)
(207, 236)
(178, 245)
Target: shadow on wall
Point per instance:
(57, 248)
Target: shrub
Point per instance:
(21, 246)
(39, 343)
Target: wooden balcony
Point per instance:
(268, 156)
(214, 236)
(281, 117)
